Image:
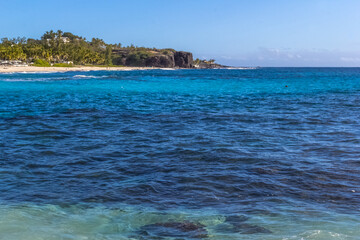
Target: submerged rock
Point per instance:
(246, 228)
(175, 229)
(236, 224)
(243, 228)
(236, 219)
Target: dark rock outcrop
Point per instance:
(165, 61)
(183, 59)
(237, 224)
(184, 229)
(236, 219)
(153, 58)
(242, 228)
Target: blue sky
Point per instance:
(235, 32)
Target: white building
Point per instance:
(63, 39)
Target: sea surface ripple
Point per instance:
(269, 153)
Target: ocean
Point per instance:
(268, 153)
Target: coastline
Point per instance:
(32, 69)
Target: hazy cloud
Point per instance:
(350, 59)
(277, 57)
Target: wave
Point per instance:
(89, 76)
(84, 76)
(241, 68)
(26, 80)
(168, 69)
(33, 79)
(41, 78)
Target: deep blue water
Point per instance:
(183, 154)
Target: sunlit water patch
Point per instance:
(126, 222)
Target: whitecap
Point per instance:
(241, 68)
(85, 76)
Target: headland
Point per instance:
(68, 52)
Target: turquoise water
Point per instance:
(183, 154)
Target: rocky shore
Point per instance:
(165, 58)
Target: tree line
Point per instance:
(57, 47)
(62, 47)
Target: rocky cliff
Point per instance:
(153, 58)
(165, 61)
(183, 59)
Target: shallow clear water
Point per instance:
(213, 154)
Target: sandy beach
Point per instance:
(13, 69)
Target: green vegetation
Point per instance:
(44, 63)
(41, 63)
(108, 52)
(54, 47)
(167, 51)
(64, 49)
(198, 61)
(62, 65)
(12, 49)
(138, 57)
(57, 48)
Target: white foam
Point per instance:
(85, 76)
(241, 68)
(168, 69)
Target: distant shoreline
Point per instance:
(30, 69)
